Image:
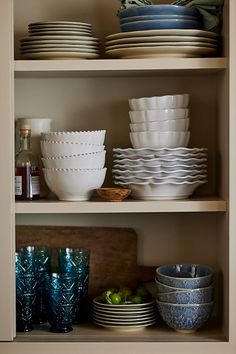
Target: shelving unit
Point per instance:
(90, 94)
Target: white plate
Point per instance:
(124, 314)
(124, 323)
(161, 151)
(60, 33)
(57, 27)
(161, 51)
(158, 174)
(155, 39)
(163, 32)
(72, 23)
(124, 328)
(159, 44)
(60, 55)
(126, 307)
(115, 320)
(60, 48)
(50, 39)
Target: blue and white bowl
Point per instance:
(188, 296)
(158, 10)
(185, 318)
(187, 276)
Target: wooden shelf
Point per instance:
(93, 333)
(102, 67)
(129, 206)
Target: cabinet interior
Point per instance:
(87, 102)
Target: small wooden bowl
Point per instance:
(113, 194)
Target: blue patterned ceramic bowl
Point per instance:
(192, 296)
(162, 288)
(187, 276)
(158, 10)
(185, 318)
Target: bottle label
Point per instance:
(18, 185)
(35, 185)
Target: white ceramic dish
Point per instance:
(60, 55)
(159, 39)
(152, 179)
(164, 32)
(173, 51)
(57, 39)
(129, 328)
(65, 148)
(161, 44)
(161, 151)
(159, 174)
(159, 102)
(167, 125)
(73, 184)
(59, 23)
(96, 137)
(158, 140)
(162, 191)
(157, 115)
(83, 161)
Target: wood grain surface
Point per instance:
(113, 258)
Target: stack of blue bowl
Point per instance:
(184, 295)
(153, 17)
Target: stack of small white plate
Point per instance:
(58, 40)
(162, 43)
(156, 174)
(124, 317)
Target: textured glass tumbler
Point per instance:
(26, 283)
(76, 261)
(43, 267)
(61, 293)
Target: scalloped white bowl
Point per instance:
(158, 115)
(96, 137)
(158, 140)
(64, 148)
(159, 102)
(167, 125)
(161, 191)
(74, 184)
(82, 161)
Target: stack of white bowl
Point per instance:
(74, 163)
(156, 174)
(159, 121)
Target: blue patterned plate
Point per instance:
(160, 24)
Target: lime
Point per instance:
(115, 298)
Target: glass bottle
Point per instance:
(27, 172)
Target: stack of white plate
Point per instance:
(162, 43)
(124, 317)
(156, 174)
(58, 40)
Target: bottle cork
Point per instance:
(25, 127)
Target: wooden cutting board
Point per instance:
(113, 259)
